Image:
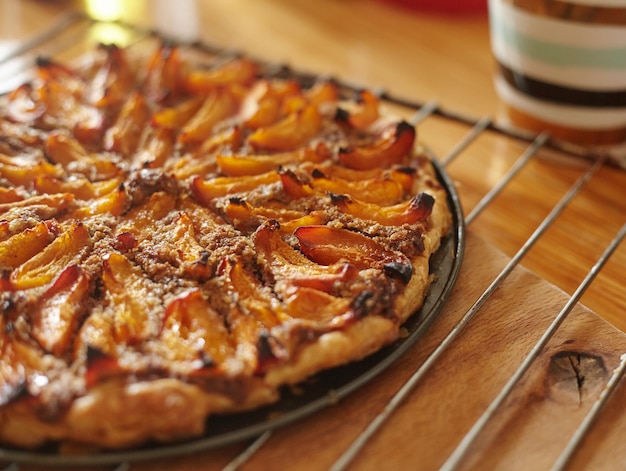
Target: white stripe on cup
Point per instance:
(563, 115)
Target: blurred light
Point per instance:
(110, 33)
(104, 10)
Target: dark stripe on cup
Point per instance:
(565, 95)
(579, 13)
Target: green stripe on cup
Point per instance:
(559, 54)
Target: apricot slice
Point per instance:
(66, 151)
(165, 79)
(363, 114)
(125, 134)
(290, 133)
(81, 188)
(291, 268)
(217, 106)
(26, 244)
(59, 311)
(62, 252)
(206, 190)
(112, 80)
(329, 245)
(194, 331)
(383, 191)
(390, 148)
(417, 209)
(236, 71)
(131, 300)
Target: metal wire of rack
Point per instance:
(476, 128)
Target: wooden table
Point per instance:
(424, 57)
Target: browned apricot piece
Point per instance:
(112, 80)
(364, 113)
(24, 175)
(317, 306)
(261, 106)
(248, 218)
(240, 165)
(323, 91)
(166, 76)
(382, 191)
(290, 133)
(239, 70)
(175, 117)
(26, 244)
(81, 188)
(157, 149)
(125, 134)
(253, 299)
(131, 301)
(417, 209)
(115, 203)
(99, 365)
(9, 195)
(329, 245)
(24, 105)
(193, 331)
(59, 311)
(57, 203)
(62, 252)
(218, 105)
(68, 152)
(206, 190)
(190, 252)
(292, 269)
(392, 146)
(293, 186)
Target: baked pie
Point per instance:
(182, 237)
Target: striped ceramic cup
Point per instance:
(562, 66)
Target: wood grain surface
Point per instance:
(427, 57)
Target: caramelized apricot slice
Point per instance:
(56, 203)
(175, 117)
(292, 185)
(290, 133)
(392, 146)
(291, 268)
(166, 77)
(62, 252)
(417, 209)
(115, 203)
(237, 71)
(81, 188)
(9, 195)
(157, 149)
(125, 134)
(194, 331)
(112, 80)
(252, 297)
(316, 306)
(66, 151)
(206, 190)
(382, 191)
(363, 114)
(131, 299)
(59, 310)
(329, 245)
(26, 244)
(241, 165)
(218, 105)
(23, 173)
(323, 91)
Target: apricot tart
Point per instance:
(180, 239)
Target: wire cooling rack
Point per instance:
(524, 159)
